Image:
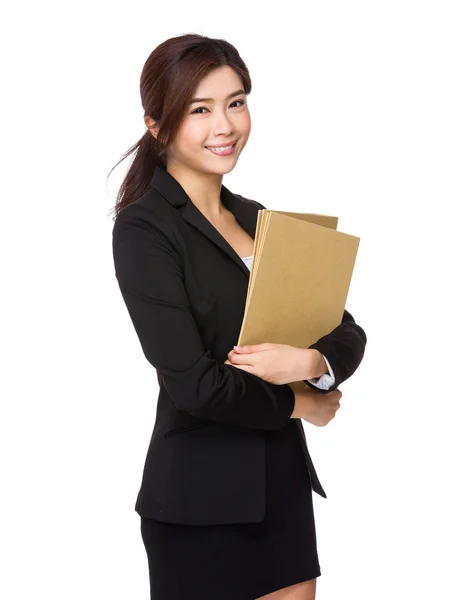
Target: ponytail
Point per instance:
(137, 180)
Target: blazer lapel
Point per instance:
(245, 213)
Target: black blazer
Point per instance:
(185, 289)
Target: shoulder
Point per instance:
(250, 201)
(150, 206)
(145, 228)
(150, 211)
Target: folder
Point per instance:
(299, 280)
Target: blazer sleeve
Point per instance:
(149, 273)
(343, 348)
(326, 380)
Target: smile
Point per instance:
(223, 150)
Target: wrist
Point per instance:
(309, 364)
(319, 365)
(302, 406)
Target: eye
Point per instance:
(194, 112)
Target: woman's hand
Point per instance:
(275, 363)
(318, 409)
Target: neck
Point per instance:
(203, 189)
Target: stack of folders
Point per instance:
(299, 280)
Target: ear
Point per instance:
(151, 125)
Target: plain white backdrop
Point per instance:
(356, 102)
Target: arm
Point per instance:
(147, 268)
(344, 349)
(325, 381)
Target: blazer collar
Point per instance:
(245, 212)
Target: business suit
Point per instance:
(185, 289)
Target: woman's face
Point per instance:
(220, 120)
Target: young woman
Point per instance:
(226, 495)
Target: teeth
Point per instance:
(221, 149)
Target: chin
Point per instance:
(220, 169)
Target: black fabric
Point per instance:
(185, 289)
(247, 560)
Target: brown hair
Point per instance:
(168, 79)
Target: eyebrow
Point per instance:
(193, 100)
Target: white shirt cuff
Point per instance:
(326, 380)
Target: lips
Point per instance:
(222, 145)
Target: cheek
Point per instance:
(244, 123)
(190, 138)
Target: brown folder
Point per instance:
(299, 280)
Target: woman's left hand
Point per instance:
(275, 363)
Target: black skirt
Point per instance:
(247, 560)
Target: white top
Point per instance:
(325, 381)
(248, 261)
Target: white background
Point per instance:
(356, 101)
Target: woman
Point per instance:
(226, 496)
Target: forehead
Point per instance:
(218, 84)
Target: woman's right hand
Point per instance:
(316, 408)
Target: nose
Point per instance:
(222, 124)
